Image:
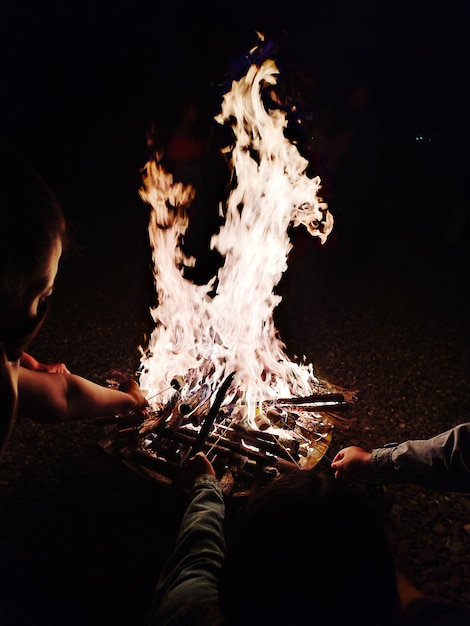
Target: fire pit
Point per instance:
(215, 370)
(289, 433)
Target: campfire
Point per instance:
(215, 370)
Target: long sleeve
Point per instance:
(191, 574)
(442, 462)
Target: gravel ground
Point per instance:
(83, 537)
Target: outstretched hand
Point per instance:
(33, 364)
(131, 388)
(352, 462)
(55, 368)
(198, 465)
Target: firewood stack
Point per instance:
(287, 434)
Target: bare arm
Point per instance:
(49, 397)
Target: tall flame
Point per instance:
(204, 332)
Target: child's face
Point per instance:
(41, 286)
(22, 317)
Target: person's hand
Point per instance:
(131, 388)
(54, 368)
(33, 364)
(198, 465)
(352, 462)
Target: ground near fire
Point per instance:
(381, 308)
(83, 537)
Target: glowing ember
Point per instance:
(205, 332)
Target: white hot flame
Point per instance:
(202, 337)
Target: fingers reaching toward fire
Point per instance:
(351, 462)
(33, 364)
(56, 368)
(132, 388)
(198, 465)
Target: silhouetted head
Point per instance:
(308, 550)
(32, 234)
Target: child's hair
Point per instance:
(307, 549)
(31, 220)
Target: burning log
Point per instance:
(212, 415)
(316, 398)
(267, 453)
(160, 466)
(317, 402)
(121, 421)
(319, 407)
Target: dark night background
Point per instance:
(381, 308)
(83, 82)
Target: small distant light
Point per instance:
(423, 138)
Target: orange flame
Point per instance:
(202, 337)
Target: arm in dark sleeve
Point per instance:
(191, 574)
(442, 462)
